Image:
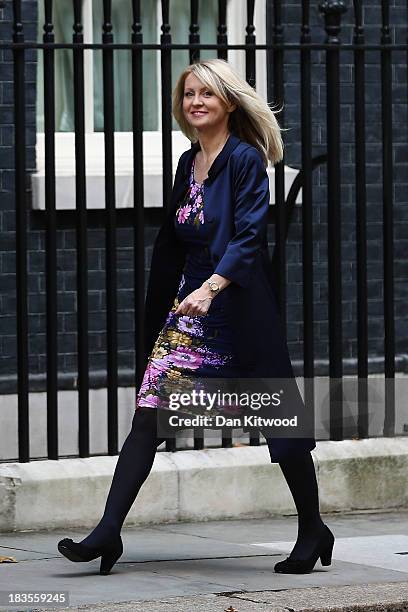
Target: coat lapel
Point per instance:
(181, 186)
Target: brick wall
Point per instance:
(372, 19)
(66, 237)
(8, 362)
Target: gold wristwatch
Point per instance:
(214, 287)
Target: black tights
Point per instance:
(135, 462)
(133, 467)
(299, 473)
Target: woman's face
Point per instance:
(202, 108)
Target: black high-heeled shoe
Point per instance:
(323, 549)
(78, 552)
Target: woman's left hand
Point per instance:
(195, 303)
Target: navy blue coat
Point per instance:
(236, 203)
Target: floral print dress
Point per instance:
(190, 347)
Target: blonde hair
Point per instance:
(252, 120)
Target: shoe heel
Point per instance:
(107, 562)
(326, 556)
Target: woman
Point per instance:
(211, 309)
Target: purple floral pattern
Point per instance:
(181, 351)
(192, 211)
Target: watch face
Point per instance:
(213, 286)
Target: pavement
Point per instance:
(218, 566)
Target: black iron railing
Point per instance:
(277, 49)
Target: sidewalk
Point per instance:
(218, 566)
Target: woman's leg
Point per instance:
(300, 475)
(133, 467)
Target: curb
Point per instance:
(199, 485)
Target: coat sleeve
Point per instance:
(250, 219)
